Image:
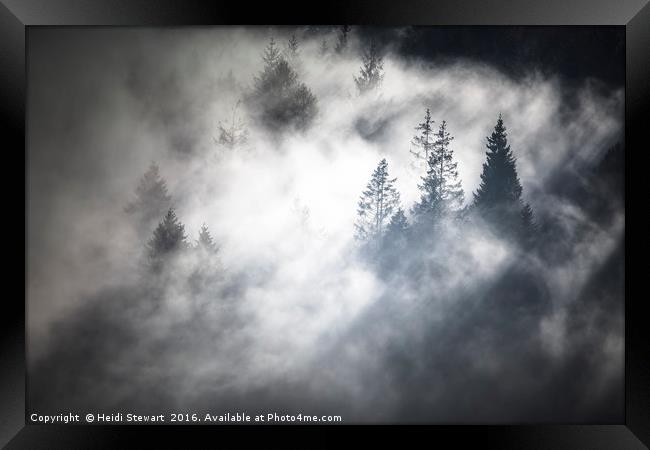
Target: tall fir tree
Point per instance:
(441, 191)
(429, 209)
(293, 49)
(205, 242)
(398, 223)
(271, 55)
(376, 205)
(278, 99)
(371, 72)
(451, 191)
(499, 180)
(528, 228)
(151, 199)
(397, 230)
(206, 267)
(424, 140)
(167, 241)
(498, 197)
(394, 244)
(233, 133)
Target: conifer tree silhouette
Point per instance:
(441, 191)
(498, 197)
(278, 99)
(371, 72)
(377, 204)
(423, 140)
(151, 199)
(205, 242)
(167, 241)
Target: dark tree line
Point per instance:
(498, 200)
(279, 100)
(170, 241)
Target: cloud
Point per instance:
(297, 320)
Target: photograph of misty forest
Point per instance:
(390, 224)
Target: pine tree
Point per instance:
(372, 70)
(151, 199)
(342, 42)
(271, 55)
(424, 140)
(205, 242)
(499, 180)
(498, 197)
(429, 209)
(397, 229)
(528, 227)
(441, 191)
(292, 50)
(278, 99)
(377, 204)
(233, 133)
(168, 240)
(451, 191)
(393, 249)
(206, 268)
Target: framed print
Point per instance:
(390, 219)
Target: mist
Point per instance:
(296, 319)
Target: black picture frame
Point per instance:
(16, 16)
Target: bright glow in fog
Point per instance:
(282, 208)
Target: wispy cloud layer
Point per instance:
(104, 103)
